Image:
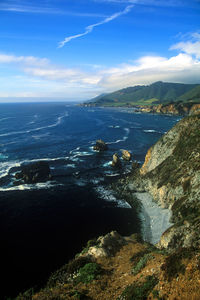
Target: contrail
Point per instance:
(90, 28)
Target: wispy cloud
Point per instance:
(172, 3)
(90, 28)
(28, 7)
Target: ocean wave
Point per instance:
(114, 126)
(76, 154)
(3, 156)
(70, 166)
(36, 186)
(127, 131)
(149, 130)
(107, 164)
(81, 182)
(4, 119)
(58, 122)
(39, 136)
(6, 167)
(107, 195)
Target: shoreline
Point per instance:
(155, 220)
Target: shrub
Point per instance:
(139, 291)
(62, 275)
(141, 263)
(88, 273)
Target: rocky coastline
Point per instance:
(116, 267)
(176, 108)
(172, 108)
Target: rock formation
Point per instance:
(34, 172)
(116, 162)
(100, 146)
(176, 108)
(126, 155)
(107, 245)
(171, 174)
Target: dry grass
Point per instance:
(117, 275)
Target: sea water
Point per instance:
(44, 225)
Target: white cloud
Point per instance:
(181, 68)
(188, 47)
(28, 60)
(90, 28)
(45, 78)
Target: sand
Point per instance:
(155, 220)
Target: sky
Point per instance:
(78, 49)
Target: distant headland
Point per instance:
(159, 97)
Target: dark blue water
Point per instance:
(44, 225)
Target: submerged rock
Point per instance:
(34, 172)
(126, 155)
(100, 146)
(116, 162)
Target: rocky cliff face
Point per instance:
(171, 174)
(172, 108)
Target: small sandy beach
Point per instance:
(155, 220)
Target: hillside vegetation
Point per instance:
(113, 267)
(156, 93)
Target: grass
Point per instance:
(62, 275)
(139, 291)
(141, 263)
(173, 263)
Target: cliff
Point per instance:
(115, 267)
(172, 108)
(171, 174)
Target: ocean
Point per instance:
(43, 225)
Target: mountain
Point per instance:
(156, 93)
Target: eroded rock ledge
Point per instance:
(171, 174)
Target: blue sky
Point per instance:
(77, 49)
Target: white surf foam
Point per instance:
(127, 131)
(149, 130)
(23, 187)
(107, 164)
(6, 166)
(3, 156)
(107, 195)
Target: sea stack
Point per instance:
(116, 162)
(126, 155)
(100, 146)
(34, 172)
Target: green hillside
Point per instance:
(193, 94)
(158, 92)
